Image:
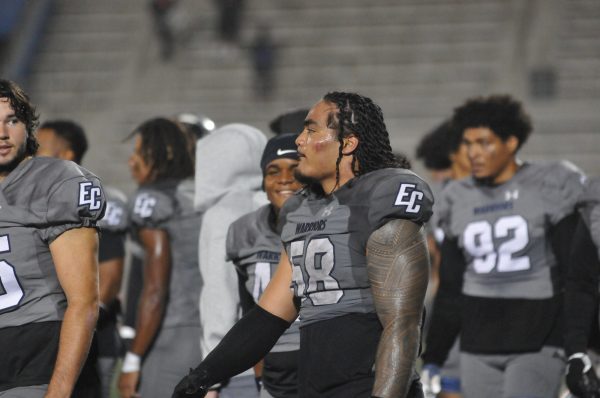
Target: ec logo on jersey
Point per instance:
(407, 196)
(144, 205)
(113, 214)
(90, 196)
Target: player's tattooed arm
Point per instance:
(398, 268)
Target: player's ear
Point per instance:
(513, 143)
(349, 144)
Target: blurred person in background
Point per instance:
(161, 9)
(291, 122)
(507, 236)
(65, 139)
(356, 256)
(264, 61)
(49, 265)
(228, 185)
(166, 226)
(254, 246)
(581, 298)
(444, 156)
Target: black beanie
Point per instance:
(280, 146)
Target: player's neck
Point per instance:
(507, 172)
(7, 169)
(331, 185)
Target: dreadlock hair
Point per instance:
(360, 116)
(502, 114)
(24, 111)
(165, 149)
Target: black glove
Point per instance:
(581, 377)
(194, 385)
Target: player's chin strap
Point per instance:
(248, 341)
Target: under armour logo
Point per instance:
(144, 205)
(511, 195)
(89, 195)
(281, 152)
(408, 190)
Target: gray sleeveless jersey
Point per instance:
(255, 248)
(503, 230)
(169, 206)
(115, 217)
(326, 238)
(39, 200)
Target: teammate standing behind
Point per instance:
(49, 269)
(355, 253)
(64, 139)
(228, 185)
(581, 297)
(445, 157)
(164, 222)
(507, 236)
(254, 246)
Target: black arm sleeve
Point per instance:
(446, 316)
(246, 343)
(581, 297)
(112, 245)
(246, 299)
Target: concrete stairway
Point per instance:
(417, 58)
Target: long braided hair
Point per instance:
(360, 116)
(165, 148)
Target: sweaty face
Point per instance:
(13, 139)
(279, 182)
(491, 158)
(53, 146)
(140, 170)
(318, 144)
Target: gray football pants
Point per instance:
(25, 392)
(530, 375)
(174, 352)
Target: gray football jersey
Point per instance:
(326, 238)
(503, 230)
(169, 206)
(39, 200)
(115, 217)
(254, 247)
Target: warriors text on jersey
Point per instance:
(168, 205)
(254, 247)
(39, 200)
(511, 277)
(326, 238)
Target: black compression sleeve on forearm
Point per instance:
(246, 343)
(446, 317)
(581, 296)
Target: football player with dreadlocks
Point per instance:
(355, 254)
